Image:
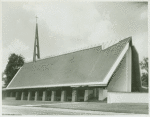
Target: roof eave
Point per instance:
(61, 85)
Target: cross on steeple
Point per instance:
(36, 52)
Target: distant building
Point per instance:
(80, 75)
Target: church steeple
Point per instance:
(36, 52)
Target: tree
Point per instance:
(144, 67)
(15, 62)
(3, 80)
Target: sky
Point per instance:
(69, 26)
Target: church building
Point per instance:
(81, 75)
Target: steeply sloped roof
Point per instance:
(80, 67)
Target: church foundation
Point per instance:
(63, 95)
(36, 95)
(44, 98)
(29, 95)
(74, 95)
(53, 96)
(17, 95)
(102, 93)
(23, 96)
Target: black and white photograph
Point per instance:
(75, 57)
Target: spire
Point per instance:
(36, 44)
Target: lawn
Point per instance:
(138, 108)
(119, 108)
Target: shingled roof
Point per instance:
(83, 67)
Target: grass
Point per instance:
(137, 108)
(119, 108)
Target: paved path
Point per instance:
(20, 110)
